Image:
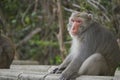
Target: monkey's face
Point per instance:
(77, 22)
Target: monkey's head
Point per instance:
(78, 21)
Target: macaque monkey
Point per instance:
(94, 49)
(7, 51)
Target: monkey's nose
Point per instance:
(75, 28)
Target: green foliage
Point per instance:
(27, 20)
(58, 59)
(43, 43)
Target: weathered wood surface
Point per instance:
(37, 72)
(38, 68)
(23, 62)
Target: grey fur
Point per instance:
(94, 51)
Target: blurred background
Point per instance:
(38, 27)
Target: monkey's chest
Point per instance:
(75, 47)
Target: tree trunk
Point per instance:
(61, 26)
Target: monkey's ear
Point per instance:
(90, 16)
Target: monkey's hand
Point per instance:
(54, 70)
(59, 70)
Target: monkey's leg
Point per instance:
(94, 65)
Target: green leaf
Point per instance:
(14, 21)
(27, 19)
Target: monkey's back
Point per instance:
(7, 51)
(106, 44)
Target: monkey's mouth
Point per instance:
(74, 33)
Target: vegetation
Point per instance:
(38, 27)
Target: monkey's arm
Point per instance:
(63, 65)
(72, 69)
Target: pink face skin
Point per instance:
(75, 26)
(77, 22)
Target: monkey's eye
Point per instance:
(72, 20)
(79, 21)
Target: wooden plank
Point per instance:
(40, 68)
(24, 62)
(95, 78)
(37, 77)
(7, 78)
(33, 76)
(37, 72)
(8, 74)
